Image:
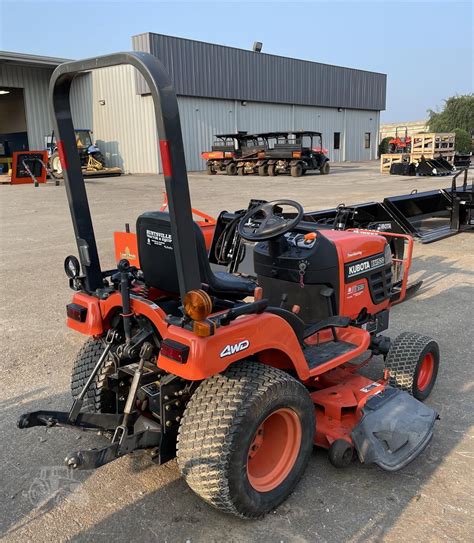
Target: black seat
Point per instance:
(157, 260)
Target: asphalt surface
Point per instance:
(134, 500)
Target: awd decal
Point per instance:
(236, 348)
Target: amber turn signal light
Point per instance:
(204, 328)
(197, 304)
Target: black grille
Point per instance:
(380, 284)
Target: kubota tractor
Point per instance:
(237, 381)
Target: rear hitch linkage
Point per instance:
(146, 433)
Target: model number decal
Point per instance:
(235, 348)
(364, 266)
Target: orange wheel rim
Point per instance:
(274, 450)
(425, 373)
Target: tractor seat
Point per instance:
(158, 263)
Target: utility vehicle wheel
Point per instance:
(413, 361)
(240, 171)
(272, 170)
(210, 170)
(340, 453)
(324, 170)
(98, 399)
(263, 171)
(297, 170)
(55, 166)
(245, 438)
(231, 169)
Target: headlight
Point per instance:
(388, 254)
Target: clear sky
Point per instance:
(425, 47)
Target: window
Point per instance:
(367, 140)
(337, 140)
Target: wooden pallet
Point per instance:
(387, 160)
(447, 156)
(431, 145)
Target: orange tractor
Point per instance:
(237, 381)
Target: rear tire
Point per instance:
(325, 168)
(240, 171)
(272, 171)
(413, 361)
(263, 171)
(297, 170)
(229, 426)
(231, 169)
(98, 399)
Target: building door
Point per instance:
(13, 128)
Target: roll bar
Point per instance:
(172, 158)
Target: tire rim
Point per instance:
(274, 450)
(425, 373)
(57, 167)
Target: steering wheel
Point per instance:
(271, 225)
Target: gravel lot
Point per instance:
(131, 499)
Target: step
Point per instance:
(325, 352)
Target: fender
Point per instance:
(100, 311)
(242, 338)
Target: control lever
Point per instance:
(124, 268)
(327, 292)
(247, 309)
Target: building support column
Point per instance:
(344, 137)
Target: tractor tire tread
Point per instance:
(84, 363)
(213, 416)
(403, 357)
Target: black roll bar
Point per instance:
(172, 157)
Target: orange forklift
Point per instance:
(237, 381)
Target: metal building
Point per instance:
(220, 89)
(24, 115)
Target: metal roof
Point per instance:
(26, 59)
(215, 71)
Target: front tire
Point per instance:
(297, 170)
(245, 438)
(231, 169)
(325, 168)
(55, 166)
(413, 361)
(272, 171)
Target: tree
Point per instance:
(457, 113)
(463, 142)
(383, 146)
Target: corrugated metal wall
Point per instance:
(208, 70)
(35, 85)
(125, 126)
